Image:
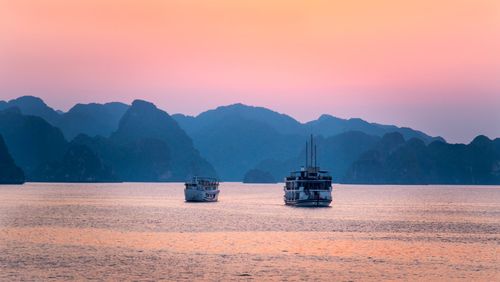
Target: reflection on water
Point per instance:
(137, 231)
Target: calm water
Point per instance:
(146, 231)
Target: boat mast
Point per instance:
(307, 154)
(315, 156)
(312, 149)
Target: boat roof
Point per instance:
(310, 170)
(205, 178)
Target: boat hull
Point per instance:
(309, 203)
(308, 198)
(192, 195)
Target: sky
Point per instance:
(430, 65)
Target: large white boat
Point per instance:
(309, 187)
(202, 189)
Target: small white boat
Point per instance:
(202, 189)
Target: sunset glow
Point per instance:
(431, 65)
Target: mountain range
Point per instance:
(394, 160)
(139, 142)
(253, 134)
(92, 119)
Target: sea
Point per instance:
(147, 232)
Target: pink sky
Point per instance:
(430, 65)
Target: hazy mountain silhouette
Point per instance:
(79, 164)
(233, 138)
(242, 143)
(325, 125)
(233, 145)
(395, 161)
(10, 173)
(31, 140)
(41, 150)
(102, 119)
(328, 125)
(149, 146)
(143, 160)
(34, 106)
(236, 138)
(92, 119)
(280, 122)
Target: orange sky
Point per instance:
(433, 65)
